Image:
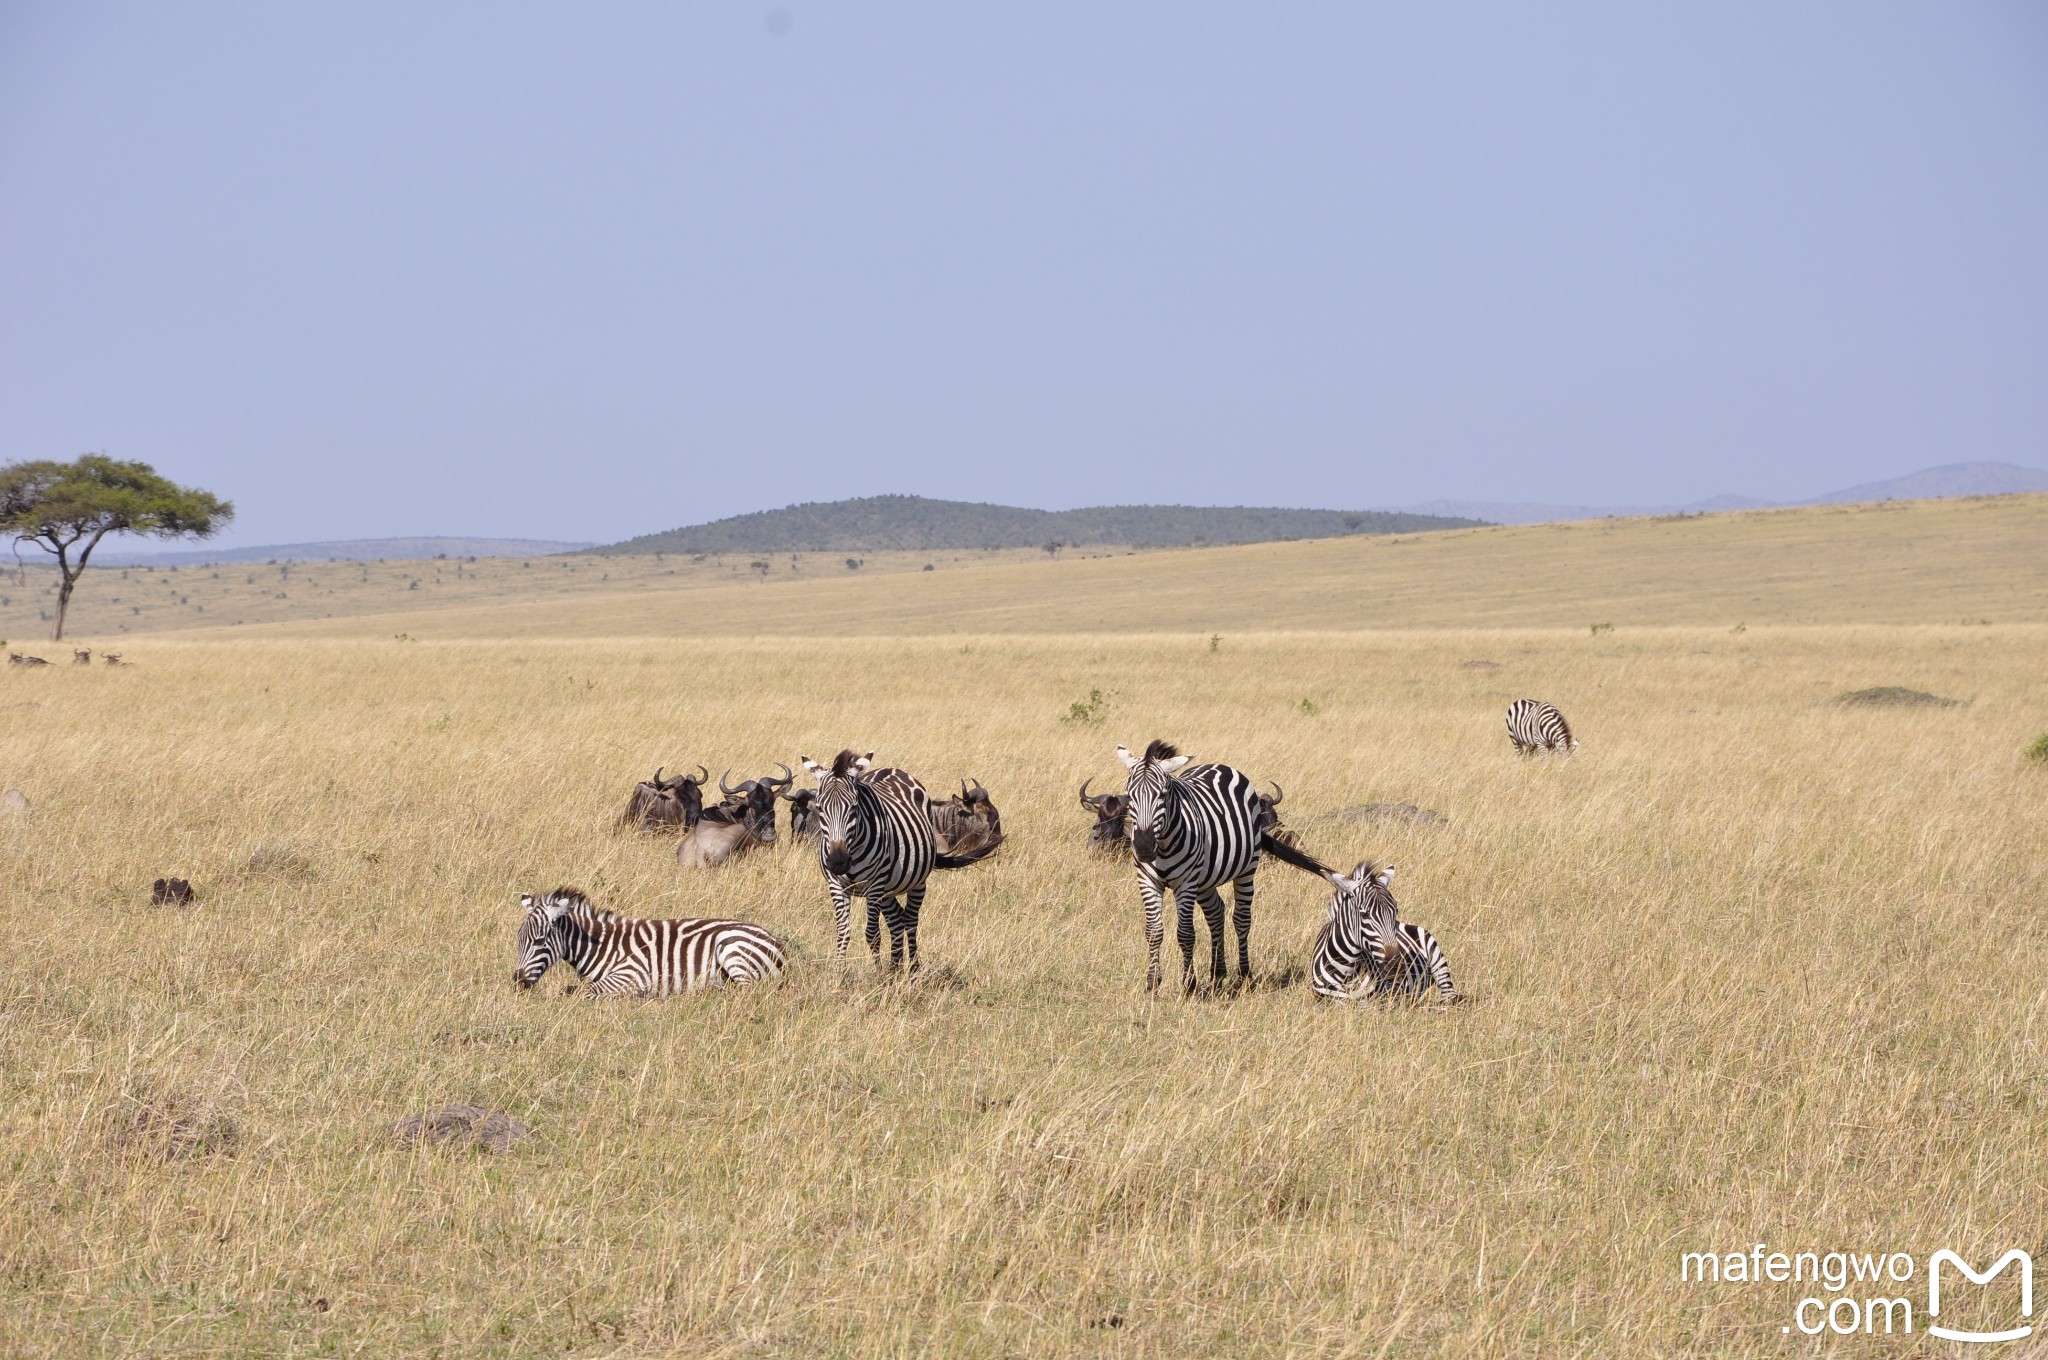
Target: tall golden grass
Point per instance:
(1751, 967)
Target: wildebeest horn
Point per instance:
(657, 775)
(722, 787)
(788, 776)
(703, 775)
(1085, 800)
(1277, 794)
(963, 790)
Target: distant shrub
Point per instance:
(1090, 711)
(2039, 750)
(1600, 628)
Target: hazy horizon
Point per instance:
(514, 271)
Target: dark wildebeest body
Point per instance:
(1111, 834)
(665, 804)
(745, 819)
(967, 822)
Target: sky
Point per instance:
(582, 272)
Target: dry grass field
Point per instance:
(1753, 966)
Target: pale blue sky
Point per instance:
(593, 270)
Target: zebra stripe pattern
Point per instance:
(1193, 830)
(1535, 726)
(616, 956)
(875, 839)
(1365, 950)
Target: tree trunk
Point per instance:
(63, 603)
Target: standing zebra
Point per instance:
(1366, 949)
(875, 839)
(1535, 726)
(616, 956)
(1192, 831)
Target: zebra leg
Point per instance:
(1212, 916)
(913, 905)
(1184, 931)
(842, 917)
(875, 926)
(1150, 888)
(894, 913)
(1241, 917)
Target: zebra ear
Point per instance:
(526, 901)
(1339, 882)
(1130, 761)
(1384, 876)
(861, 766)
(812, 767)
(1174, 764)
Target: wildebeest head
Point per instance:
(834, 808)
(1112, 816)
(1147, 791)
(751, 802)
(803, 813)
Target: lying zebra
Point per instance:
(1365, 950)
(620, 957)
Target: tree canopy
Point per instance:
(65, 507)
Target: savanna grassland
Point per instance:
(1753, 966)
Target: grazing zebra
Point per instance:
(1535, 726)
(875, 839)
(616, 956)
(1192, 831)
(1366, 949)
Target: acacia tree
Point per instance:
(67, 508)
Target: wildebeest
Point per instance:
(1111, 833)
(17, 659)
(113, 659)
(1269, 820)
(803, 814)
(170, 892)
(745, 819)
(666, 804)
(81, 656)
(967, 822)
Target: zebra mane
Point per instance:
(575, 904)
(1161, 750)
(842, 764)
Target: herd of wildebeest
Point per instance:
(1190, 830)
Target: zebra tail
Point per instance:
(977, 854)
(1288, 854)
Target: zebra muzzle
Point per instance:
(1145, 844)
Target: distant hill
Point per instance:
(885, 523)
(348, 550)
(1954, 479)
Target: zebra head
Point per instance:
(834, 812)
(1148, 794)
(540, 945)
(1363, 898)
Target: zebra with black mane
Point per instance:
(617, 956)
(1194, 829)
(1366, 950)
(1535, 726)
(875, 840)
